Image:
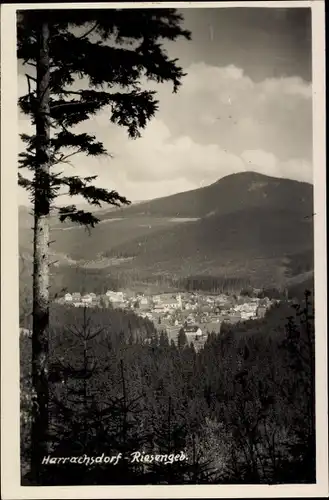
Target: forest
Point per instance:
(74, 278)
(241, 409)
(93, 382)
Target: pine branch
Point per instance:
(85, 143)
(133, 110)
(94, 195)
(25, 183)
(134, 53)
(81, 217)
(64, 158)
(88, 32)
(95, 334)
(31, 95)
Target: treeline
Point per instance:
(301, 262)
(77, 278)
(241, 409)
(99, 281)
(213, 284)
(84, 280)
(72, 278)
(118, 253)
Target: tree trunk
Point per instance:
(39, 437)
(125, 409)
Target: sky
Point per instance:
(244, 104)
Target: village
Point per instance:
(196, 313)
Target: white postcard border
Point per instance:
(10, 471)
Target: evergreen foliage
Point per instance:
(241, 409)
(80, 62)
(115, 51)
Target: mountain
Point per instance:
(252, 243)
(246, 225)
(232, 193)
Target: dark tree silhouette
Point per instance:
(181, 338)
(112, 50)
(241, 408)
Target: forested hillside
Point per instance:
(245, 226)
(241, 409)
(240, 191)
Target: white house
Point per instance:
(179, 301)
(193, 331)
(247, 315)
(159, 308)
(146, 315)
(221, 299)
(261, 311)
(68, 297)
(171, 303)
(86, 299)
(143, 301)
(190, 307)
(114, 296)
(190, 320)
(81, 304)
(118, 304)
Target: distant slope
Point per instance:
(79, 244)
(233, 193)
(254, 231)
(246, 225)
(251, 243)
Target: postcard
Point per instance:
(163, 201)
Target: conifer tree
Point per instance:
(299, 343)
(181, 339)
(170, 435)
(113, 50)
(85, 420)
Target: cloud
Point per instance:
(220, 122)
(267, 163)
(160, 157)
(223, 105)
(159, 164)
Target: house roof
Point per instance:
(168, 301)
(191, 329)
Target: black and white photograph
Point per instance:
(167, 234)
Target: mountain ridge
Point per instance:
(204, 200)
(245, 223)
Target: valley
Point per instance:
(246, 226)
